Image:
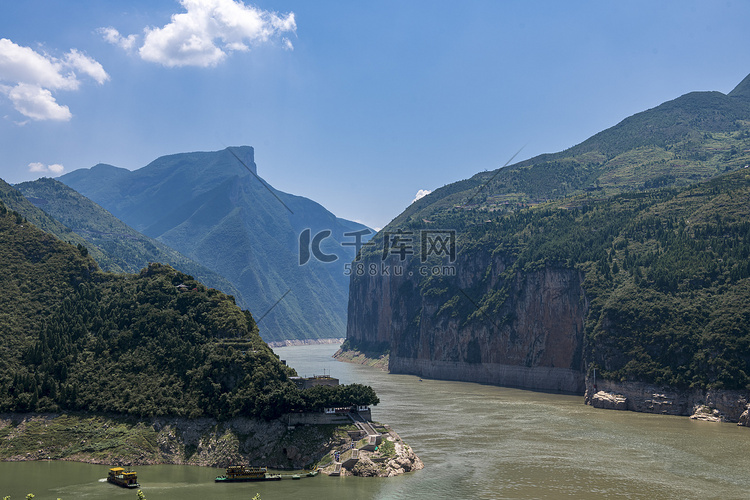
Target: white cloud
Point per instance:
(207, 32)
(55, 168)
(421, 194)
(86, 65)
(115, 38)
(33, 76)
(37, 103)
(24, 65)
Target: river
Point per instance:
(476, 441)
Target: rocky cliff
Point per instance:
(118, 440)
(608, 256)
(532, 340)
(699, 404)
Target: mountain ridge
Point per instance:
(213, 208)
(605, 229)
(124, 249)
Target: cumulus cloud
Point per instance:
(86, 65)
(31, 77)
(37, 103)
(55, 168)
(421, 194)
(207, 32)
(114, 37)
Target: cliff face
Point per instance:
(659, 277)
(180, 441)
(532, 339)
(714, 405)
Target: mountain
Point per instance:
(156, 343)
(214, 208)
(625, 256)
(14, 200)
(124, 249)
(693, 137)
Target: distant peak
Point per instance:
(246, 156)
(106, 166)
(743, 89)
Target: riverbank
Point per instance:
(389, 457)
(361, 358)
(117, 440)
(300, 342)
(699, 404)
(729, 406)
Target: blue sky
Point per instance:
(357, 105)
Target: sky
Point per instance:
(360, 106)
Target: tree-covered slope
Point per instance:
(213, 208)
(155, 343)
(694, 137)
(14, 200)
(648, 220)
(666, 276)
(124, 249)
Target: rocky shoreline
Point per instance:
(117, 440)
(391, 458)
(296, 342)
(707, 405)
(360, 358)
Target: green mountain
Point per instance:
(124, 249)
(691, 138)
(149, 344)
(627, 254)
(14, 200)
(213, 208)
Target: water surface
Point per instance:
(476, 441)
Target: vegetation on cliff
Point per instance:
(155, 343)
(214, 208)
(654, 215)
(115, 246)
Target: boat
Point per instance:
(238, 473)
(122, 477)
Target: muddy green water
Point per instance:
(476, 441)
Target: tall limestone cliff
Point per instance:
(624, 257)
(534, 341)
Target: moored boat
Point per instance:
(238, 473)
(122, 477)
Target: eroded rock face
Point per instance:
(744, 419)
(532, 339)
(609, 401)
(365, 468)
(707, 414)
(406, 460)
(202, 441)
(708, 405)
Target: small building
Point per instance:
(314, 381)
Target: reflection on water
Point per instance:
(476, 442)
